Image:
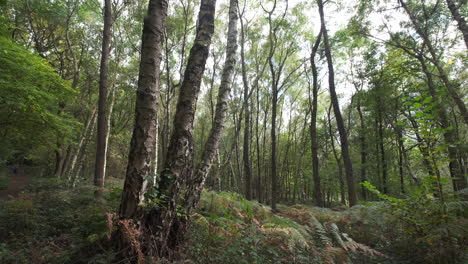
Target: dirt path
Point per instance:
(17, 183)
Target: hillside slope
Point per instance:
(49, 223)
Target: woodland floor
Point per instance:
(17, 183)
(43, 221)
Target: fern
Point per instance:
(322, 234)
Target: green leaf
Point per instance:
(417, 105)
(427, 100)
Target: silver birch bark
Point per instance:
(143, 137)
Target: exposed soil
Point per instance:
(17, 183)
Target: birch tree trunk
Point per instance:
(143, 137)
(196, 184)
(109, 118)
(82, 154)
(160, 228)
(86, 133)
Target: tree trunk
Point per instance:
(109, 119)
(257, 143)
(313, 125)
(142, 144)
(161, 228)
(381, 146)
(58, 160)
(211, 147)
(406, 163)
(462, 26)
(87, 131)
(245, 155)
(362, 140)
(274, 173)
(336, 108)
(456, 172)
(337, 158)
(155, 159)
(400, 167)
(264, 156)
(424, 148)
(275, 76)
(133, 240)
(101, 143)
(301, 151)
(82, 154)
(435, 60)
(66, 160)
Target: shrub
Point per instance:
(422, 229)
(4, 180)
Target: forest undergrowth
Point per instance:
(49, 223)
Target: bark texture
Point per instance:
(275, 71)
(102, 125)
(461, 22)
(196, 184)
(363, 145)
(143, 137)
(383, 159)
(163, 229)
(86, 133)
(338, 158)
(245, 154)
(352, 196)
(313, 125)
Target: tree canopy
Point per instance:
(278, 110)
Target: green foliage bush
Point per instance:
(52, 224)
(31, 93)
(420, 229)
(18, 218)
(4, 180)
(231, 229)
(248, 244)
